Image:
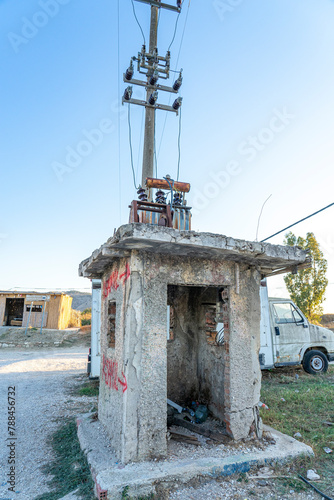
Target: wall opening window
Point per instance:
(111, 335)
(34, 309)
(285, 312)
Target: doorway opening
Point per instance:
(198, 326)
(14, 312)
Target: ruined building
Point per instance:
(180, 312)
(180, 319)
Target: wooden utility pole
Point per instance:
(155, 67)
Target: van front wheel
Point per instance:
(315, 362)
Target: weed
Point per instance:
(90, 388)
(125, 495)
(307, 403)
(69, 468)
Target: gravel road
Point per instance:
(42, 381)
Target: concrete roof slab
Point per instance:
(162, 240)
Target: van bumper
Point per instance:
(330, 357)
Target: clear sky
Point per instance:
(257, 120)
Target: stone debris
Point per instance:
(312, 475)
(234, 489)
(297, 435)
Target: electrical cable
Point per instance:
(298, 222)
(176, 65)
(316, 489)
(179, 146)
(119, 115)
(175, 30)
(140, 139)
(171, 189)
(130, 142)
(155, 158)
(141, 29)
(258, 222)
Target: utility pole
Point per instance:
(148, 153)
(155, 67)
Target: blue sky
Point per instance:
(257, 120)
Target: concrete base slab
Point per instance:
(141, 479)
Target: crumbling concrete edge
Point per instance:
(142, 479)
(86, 445)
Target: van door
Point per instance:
(290, 331)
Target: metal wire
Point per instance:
(130, 142)
(140, 140)
(175, 30)
(295, 223)
(258, 222)
(155, 158)
(179, 146)
(316, 489)
(177, 62)
(119, 115)
(141, 29)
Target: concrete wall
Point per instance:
(135, 373)
(2, 309)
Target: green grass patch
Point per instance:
(90, 388)
(309, 402)
(70, 469)
(125, 495)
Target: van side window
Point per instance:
(285, 312)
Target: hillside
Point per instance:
(81, 300)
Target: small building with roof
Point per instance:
(53, 309)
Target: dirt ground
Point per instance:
(16, 336)
(43, 382)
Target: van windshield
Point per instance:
(285, 312)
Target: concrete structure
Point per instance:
(15, 309)
(211, 283)
(95, 354)
(156, 477)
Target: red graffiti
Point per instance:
(124, 276)
(110, 375)
(115, 280)
(124, 383)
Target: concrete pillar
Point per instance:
(96, 329)
(242, 374)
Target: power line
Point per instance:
(179, 146)
(140, 140)
(119, 115)
(176, 65)
(141, 29)
(258, 222)
(130, 142)
(298, 222)
(176, 23)
(155, 158)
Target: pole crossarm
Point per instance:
(161, 5)
(163, 107)
(151, 87)
(154, 67)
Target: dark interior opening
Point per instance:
(14, 312)
(195, 350)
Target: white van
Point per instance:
(287, 338)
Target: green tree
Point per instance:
(307, 288)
